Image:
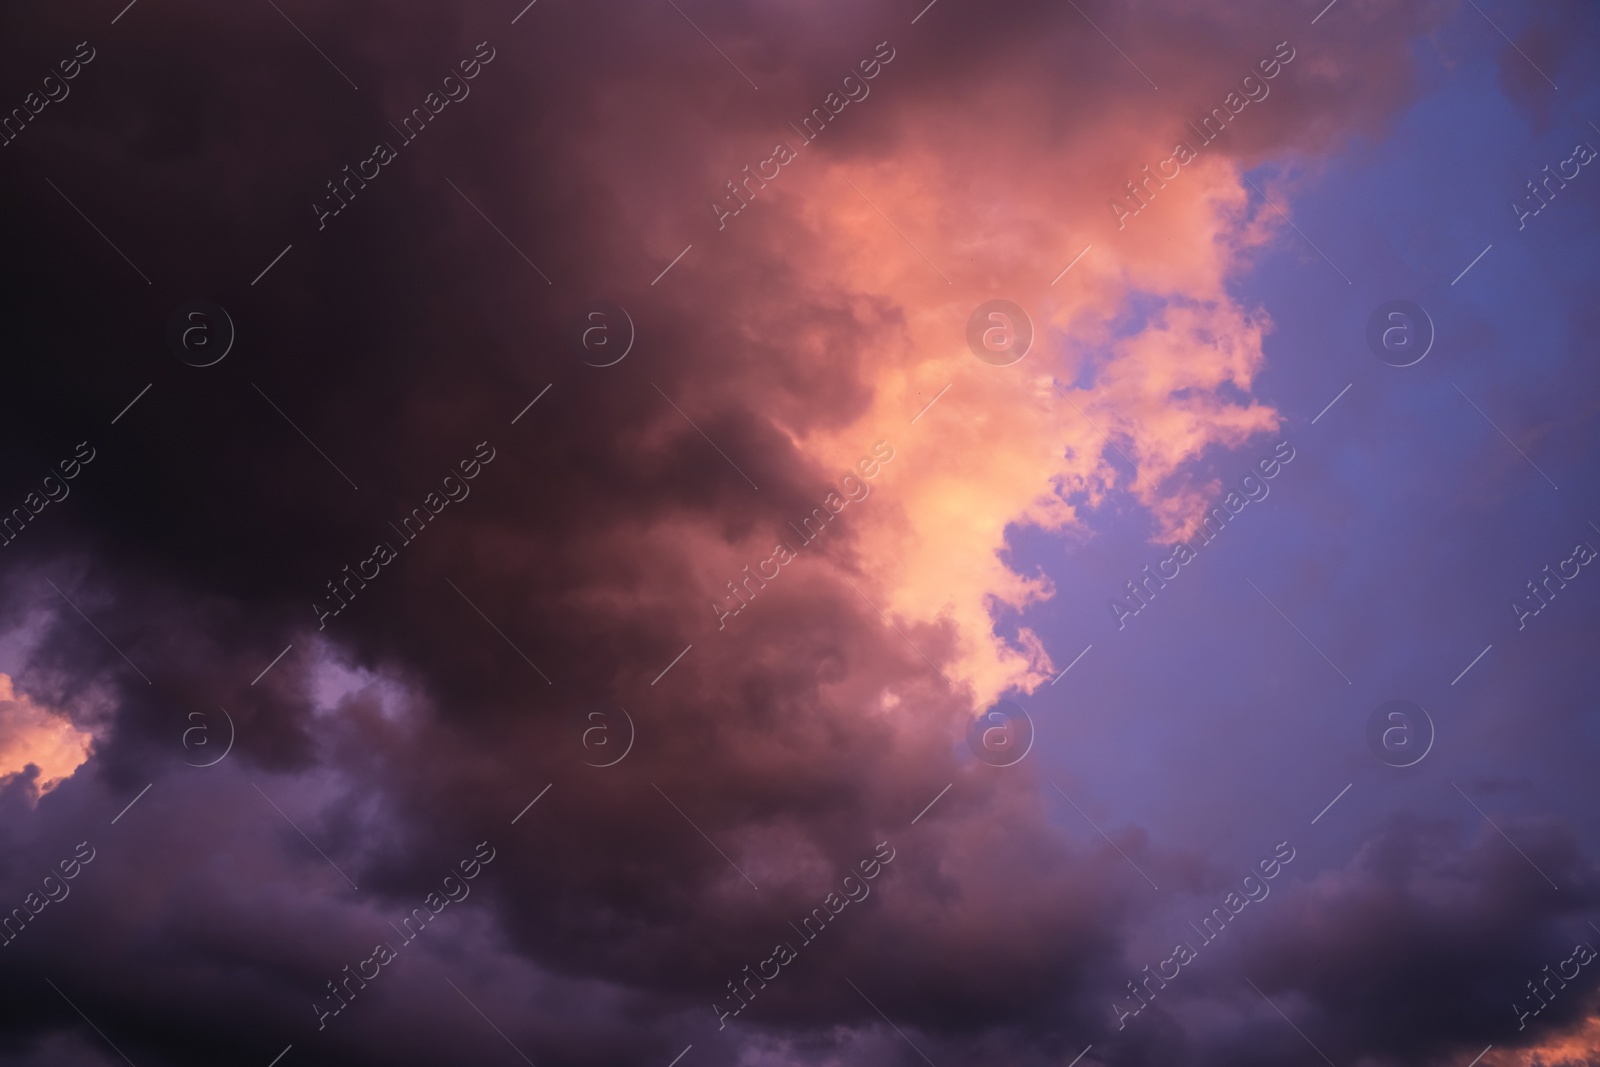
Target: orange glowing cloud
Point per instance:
(1578, 1047)
(31, 734)
(943, 191)
(1008, 445)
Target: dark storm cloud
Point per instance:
(398, 337)
(1413, 951)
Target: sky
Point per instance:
(702, 534)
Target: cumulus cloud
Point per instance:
(38, 742)
(777, 750)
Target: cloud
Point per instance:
(37, 741)
(812, 727)
(1450, 928)
(1578, 1047)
